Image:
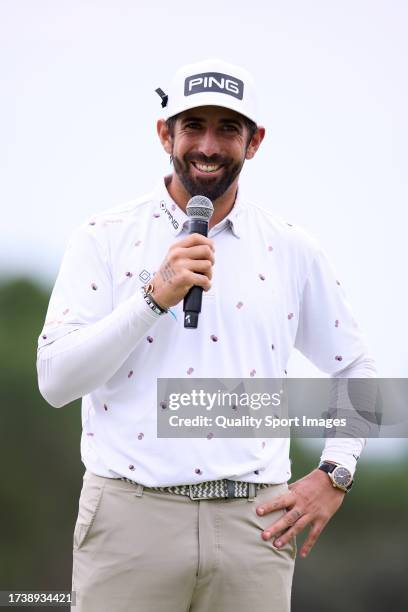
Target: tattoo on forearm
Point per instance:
(166, 272)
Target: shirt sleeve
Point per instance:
(347, 451)
(330, 337)
(327, 334)
(84, 340)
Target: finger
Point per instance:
(199, 280)
(200, 266)
(282, 501)
(284, 538)
(284, 523)
(202, 251)
(193, 240)
(310, 541)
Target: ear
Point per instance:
(255, 142)
(164, 135)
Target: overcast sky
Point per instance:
(78, 113)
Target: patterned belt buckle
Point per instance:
(221, 489)
(230, 489)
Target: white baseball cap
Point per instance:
(211, 82)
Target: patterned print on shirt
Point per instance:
(110, 221)
(129, 242)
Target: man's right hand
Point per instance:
(188, 262)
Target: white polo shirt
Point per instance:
(272, 289)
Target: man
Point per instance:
(198, 525)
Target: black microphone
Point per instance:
(199, 209)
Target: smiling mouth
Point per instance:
(207, 168)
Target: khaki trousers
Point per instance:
(136, 550)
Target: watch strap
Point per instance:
(327, 467)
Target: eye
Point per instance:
(230, 127)
(192, 125)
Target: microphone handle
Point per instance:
(193, 298)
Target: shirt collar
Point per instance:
(176, 219)
(235, 216)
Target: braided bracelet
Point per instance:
(147, 295)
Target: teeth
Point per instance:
(206, 167)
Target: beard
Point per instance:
(210, 187)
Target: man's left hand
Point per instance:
(312, 500)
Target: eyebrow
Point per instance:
(236, 122)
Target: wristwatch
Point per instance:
(339, 475)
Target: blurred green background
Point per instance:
(359, 564)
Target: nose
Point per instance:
(209, 144)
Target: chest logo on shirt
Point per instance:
(144, 276)
(170, 217)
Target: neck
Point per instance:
(222, 205)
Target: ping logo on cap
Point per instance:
(214, 81)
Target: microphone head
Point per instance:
(200, 207)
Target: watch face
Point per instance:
(342, 476)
